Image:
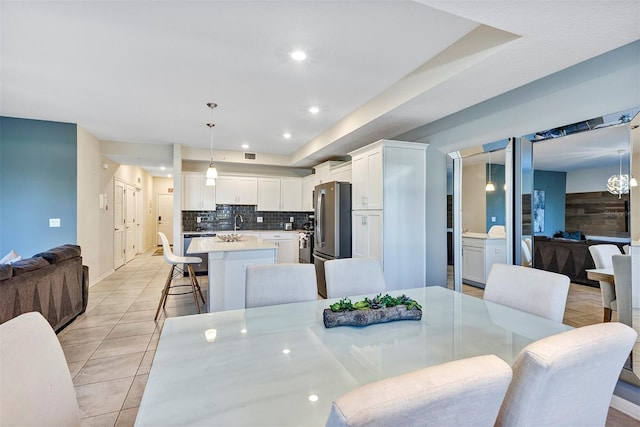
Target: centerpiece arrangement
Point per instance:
(233, 237)
(380, 309)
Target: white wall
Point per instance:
(585, 180)
(474, 198)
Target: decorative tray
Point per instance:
(380, 309)
(234, 237)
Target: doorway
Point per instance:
(165, 217)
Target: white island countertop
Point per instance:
(213, 244)
(486, 236)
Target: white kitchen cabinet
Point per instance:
(341, 173)
(309, 182)
(196, 195)
(479, 253)
(367, 175)
(395, 231)
(367, 234)
(328, 171)
(280, 194)
(287, 244)
(236, 190)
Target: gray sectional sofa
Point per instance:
(54, 283)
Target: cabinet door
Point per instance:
(291, 195)
(194, 195)
(269, 194)
(208, 195)
(374, 233)
(287, 251)
(359, 244)
(473, 263)
(225, 190)
(374, 179)
(247, 191)
(359, 172)
(308, 184)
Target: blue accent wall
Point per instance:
(38, 181)
(554, 184)
(495, 200)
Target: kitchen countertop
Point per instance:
(242, 231)
(213, 244)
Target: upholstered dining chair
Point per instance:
(353, 276)
(280, 284)
(526, 254)
(459, 393)
(622, 279)
(35, 384)
(538, 292)
(601, 255)
(568, 378)
(176, 273)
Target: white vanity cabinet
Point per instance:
(388, 193)
(196, 196)
(479, 253)
(287, 243)
(236, 190)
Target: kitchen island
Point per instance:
(227, 265)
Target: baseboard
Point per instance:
(99, 278)
(626, 407)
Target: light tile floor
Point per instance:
(110, 348)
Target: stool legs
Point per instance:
(195, 289)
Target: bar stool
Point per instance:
(177, 272)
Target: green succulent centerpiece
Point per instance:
(379, 309)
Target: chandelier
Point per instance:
(619, 184)
(212, 172)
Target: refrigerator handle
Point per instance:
(319, 229)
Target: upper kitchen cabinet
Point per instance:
(333, 171)
(280, 194)
(236, 190)
(367, 178)
(196, 196)
(309, 182)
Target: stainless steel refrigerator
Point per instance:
(332, 227)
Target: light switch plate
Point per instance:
(493, 219)
(54, 222)
(259, 219)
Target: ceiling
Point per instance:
(138, 74)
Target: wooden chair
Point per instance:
(459, 393)
(538, 292)
(567, 379)
(176, 272)
(35, 384)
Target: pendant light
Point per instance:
(212, 172)
(490, 185)
(619, 184)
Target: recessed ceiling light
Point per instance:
(169, 176)
(245, 146)
(298, 55)
(313, 398)
(314, 110)
(286, 135)
(162, 168)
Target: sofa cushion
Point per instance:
(26, 265)
(60, 253)
(6, 271)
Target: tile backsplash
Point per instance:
(224, 215)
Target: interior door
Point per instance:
(131, 230)
(119, 225)
(165, 217)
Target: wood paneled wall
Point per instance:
(597, 213)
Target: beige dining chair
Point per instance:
(601, 255)
(177, 273)
(349, 277)
(526, 254)
(567, 379)
(280, 284)
(538, 292)
(459, 393)
(35, 384)
(622, 279)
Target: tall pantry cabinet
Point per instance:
(389, 209)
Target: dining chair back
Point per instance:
(601, 255)
(622, 279)
(176, 273)
(35, 384)
(353, 276)
(538, 292)
(280, 284)
(568, 378)
(526, 254)
(459, 393)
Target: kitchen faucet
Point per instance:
(235, 221)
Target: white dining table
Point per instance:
(278, 365)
